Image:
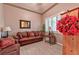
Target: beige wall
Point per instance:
(13, 15)
(1, 17)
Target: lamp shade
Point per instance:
(7, 29)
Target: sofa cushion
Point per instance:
(31, 34)
(23, 39)
(5, 42)
(39, 33)
(19, 34)
(24, 34)
(36, 33)
(29, 38)
(39, 36)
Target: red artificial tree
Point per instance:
(68, 25)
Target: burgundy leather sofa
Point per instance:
(9, 47)
(29, 37)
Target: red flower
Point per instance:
(72, 30)
(68, 25)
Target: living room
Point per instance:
(33, 18)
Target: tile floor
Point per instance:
(41, 48)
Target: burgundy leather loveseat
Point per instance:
(8, 46)
(29, 37)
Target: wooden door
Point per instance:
(76, 49)
(69, 45)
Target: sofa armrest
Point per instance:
(16, 41)
(16, 38)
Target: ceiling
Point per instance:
(34, 7)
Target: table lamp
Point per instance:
(7, 29)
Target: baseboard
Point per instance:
(59, 44)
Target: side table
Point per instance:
(52, 39)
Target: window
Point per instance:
(51, 22)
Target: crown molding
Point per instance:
(55, 4)
(22, 8)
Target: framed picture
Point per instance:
(25, 24)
